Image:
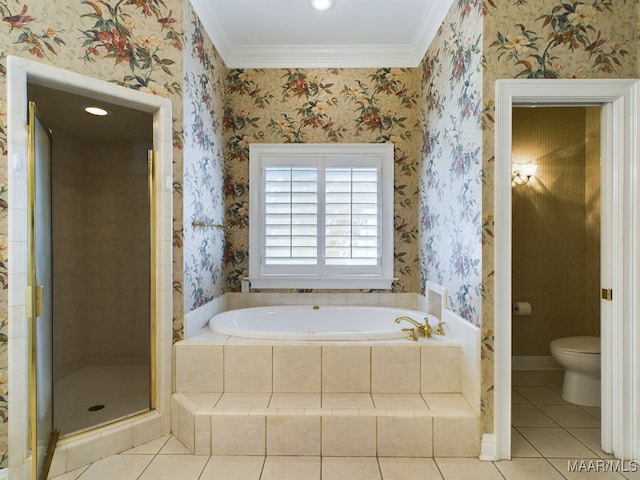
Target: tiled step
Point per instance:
(214, 363)
(328, 424)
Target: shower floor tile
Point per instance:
(122, 390)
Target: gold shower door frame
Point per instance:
(153, 264)
(38, 303)
(34, 301)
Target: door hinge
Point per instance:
(607, 294)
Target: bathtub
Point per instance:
(312, 322)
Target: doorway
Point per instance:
(555, 269)
(620, 197)
(132, 431)
(100, 260)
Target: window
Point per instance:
(321, 216)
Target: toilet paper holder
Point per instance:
(521, 309)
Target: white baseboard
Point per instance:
(520, 362)
(488, 448)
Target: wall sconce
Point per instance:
(521, 173)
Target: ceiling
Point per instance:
(64, 111)
(290, 33)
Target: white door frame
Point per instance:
(620, 330)
(138, 429)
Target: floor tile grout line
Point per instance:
(556, 469)
(379, 467)
(264, 463)
(156, 455)
(527, 440)
(499, 471)
(435, 460)
(584, 444)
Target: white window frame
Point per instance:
(348, 277)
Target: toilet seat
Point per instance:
(586, 345)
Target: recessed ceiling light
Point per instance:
(322, 4)
(95, 110)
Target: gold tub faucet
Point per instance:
(425, 329)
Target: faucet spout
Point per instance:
(425, 329)
(408, 319)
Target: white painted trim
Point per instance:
(19, 72)
(214, 28)
(488, 448)
(529, 363)
(438, 12)
(321, 56)
(621, 365)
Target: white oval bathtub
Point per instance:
(308, 322)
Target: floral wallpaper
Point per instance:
(542, 39)
(451, 168)
(134, 43)
(204, 174)
(319, 106)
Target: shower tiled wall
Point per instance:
(69, 243)
(118, 252)
(101, 253)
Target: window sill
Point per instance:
(357, 282)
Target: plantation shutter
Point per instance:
(291, 216)
(352, 222)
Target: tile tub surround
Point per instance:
(390, 398)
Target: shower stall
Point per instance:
(100, 257)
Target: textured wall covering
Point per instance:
(204, 175)
(536, 39)
(556, 229)
(320, 106)
(135, 43)
(451, 174)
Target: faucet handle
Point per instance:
(440, 330)
(412, 334)
(427, 328)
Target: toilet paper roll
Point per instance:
(522, 309)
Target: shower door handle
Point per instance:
(34, 300)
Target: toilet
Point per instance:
(580, 358)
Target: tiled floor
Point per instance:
(547, 434)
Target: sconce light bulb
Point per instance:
(522, 173)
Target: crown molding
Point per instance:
(322, 56)
(214, 28)
(431, 25)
